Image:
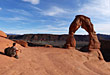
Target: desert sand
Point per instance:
(50, 61)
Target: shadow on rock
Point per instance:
(2, 53)
(104, 50)
(84, 49)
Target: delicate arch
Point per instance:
(85, 23)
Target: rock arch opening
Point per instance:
(81, 41)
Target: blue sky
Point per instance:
(52, 16)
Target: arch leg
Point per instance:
(71, 42)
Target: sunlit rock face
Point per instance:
(2, 34)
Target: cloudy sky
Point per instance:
(52, 16)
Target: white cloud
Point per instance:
(32, 1)
(36, 8)
(102, 28)
(96, 8)
(36, 30)
(19, 11)
(12, 18)
(54, 29)
(0, 8)
(53, 11)
(61, 23)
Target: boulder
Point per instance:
(2, 34)
(22, 43)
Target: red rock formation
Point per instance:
(2, 34)
(85, 23)
(22, 43)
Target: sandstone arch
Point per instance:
(85, 23)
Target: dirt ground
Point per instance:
(50, 61)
